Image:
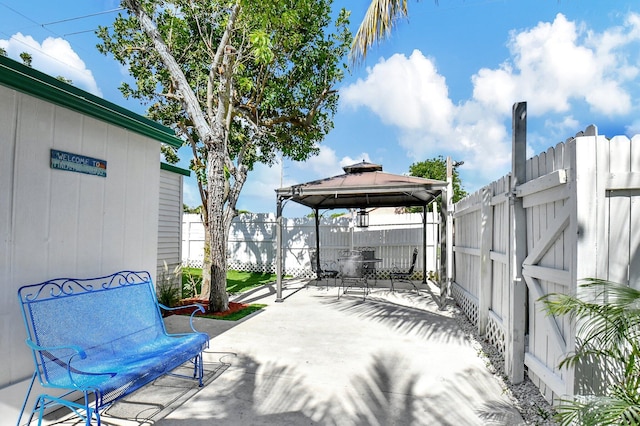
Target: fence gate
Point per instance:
(547, 200)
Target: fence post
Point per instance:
(514, 357)
(486, 240)
(450, 272)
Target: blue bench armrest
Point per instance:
(197, 307)
(77, 351)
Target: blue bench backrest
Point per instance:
(106, 315)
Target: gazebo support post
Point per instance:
(317, 217)
(424, 244)
(449, 226)
(279, 251)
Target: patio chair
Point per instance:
(405, 276)
(327, 270)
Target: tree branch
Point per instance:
(235, 9)
(189, 100)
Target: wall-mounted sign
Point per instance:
(78, 163)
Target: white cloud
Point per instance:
(410, 94)
(404, 92)
(554, 66)
(55, 57)
(322, 165)
(259, 189)
(633, 128)
(561, 127)
(556, 63)
(348, 161)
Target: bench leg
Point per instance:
(26, 398)
(45, 401)
(200, 369)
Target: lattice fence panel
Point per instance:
(467, 302)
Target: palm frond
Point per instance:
(376, 25)
(598, 410)
(608, 329)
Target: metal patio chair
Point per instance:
(405, 276)
(327, 269)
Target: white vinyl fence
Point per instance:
(252, 241)
(581, 211)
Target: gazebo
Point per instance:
(363, 186)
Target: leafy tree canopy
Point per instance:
(286, 64)
(242, 81)
(436, 168)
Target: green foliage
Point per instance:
(191, 283)
(239, 281)
(26, 59)
(3, 52)
(286, 61)
(436, 168)
(168, 288)
(240, 81)
(64, 79)
(608, 332)
(192, 210)
(235, 316)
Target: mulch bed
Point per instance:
(233, 307)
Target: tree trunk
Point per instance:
(205, 289)
(218, 298)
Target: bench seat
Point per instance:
(103, 337)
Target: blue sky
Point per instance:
(443, 84)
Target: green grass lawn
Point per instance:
(237, 281)
(235, 316)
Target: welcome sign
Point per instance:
(61, 160)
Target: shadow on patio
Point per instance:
(392, 359)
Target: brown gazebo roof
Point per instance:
(364, 185)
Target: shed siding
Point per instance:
(58, 223)
(170, 221)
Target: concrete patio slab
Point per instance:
(393, 358)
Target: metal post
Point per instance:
(279, 251)
(424, 244)
(449, 201)
(317, 216)
(514, 357)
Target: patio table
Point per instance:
(353, 269)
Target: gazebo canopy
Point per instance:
(364, 185)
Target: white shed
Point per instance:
(79, 193)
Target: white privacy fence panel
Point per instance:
(467, 253)
(622, 206)
(499, 260)
(252, 241)
(546, 269)
(582, 204)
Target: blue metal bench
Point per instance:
(102, 337)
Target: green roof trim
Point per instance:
(33, 82)
(174, 169)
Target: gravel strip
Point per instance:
(534, 409)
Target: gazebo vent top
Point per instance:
(362, 167)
